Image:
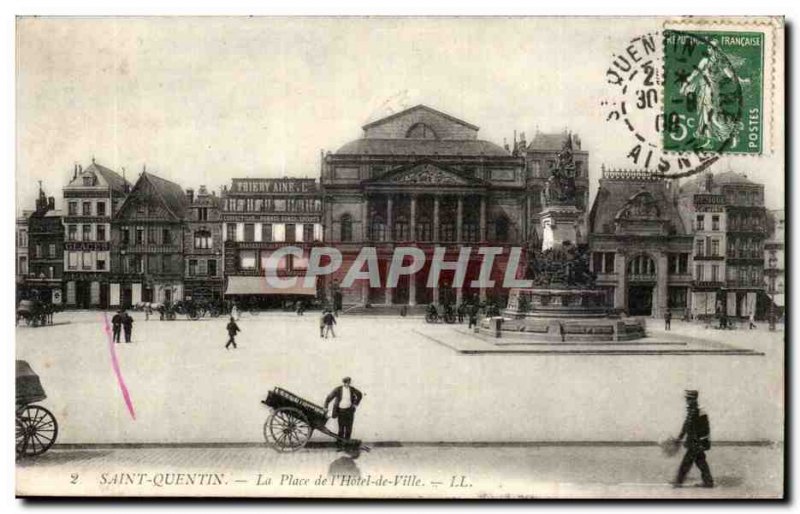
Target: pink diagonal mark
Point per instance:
(115, 364)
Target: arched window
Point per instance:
(421, 131)
(202, 239)
(402, 230)
(378, 229)
(501, 229)
(424, 228)
(641, 265)
(346, 228)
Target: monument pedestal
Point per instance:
(560, 223)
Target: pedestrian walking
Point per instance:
(562, 332)
(345, 399)
(234, 313)
(473, 316)
(752, 320)
(233, 329)
(116, 325)
(148, 310)
(329, 320)
(668, 320)
(127, 326)
(322, 323)
(697, 433)
(461, 311)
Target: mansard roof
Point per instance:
(422, 147)
(618, 190)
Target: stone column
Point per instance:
(662, 289)
(413, 221)
(483, 218)
(459, 218)
(621, 291)
(389, 296)
(365, 219)
(436, 218)
(389, 221)
(365, 292)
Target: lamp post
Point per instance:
(773, 263)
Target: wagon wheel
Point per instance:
(36, 430)
(287, 429)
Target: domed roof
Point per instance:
(371, 146)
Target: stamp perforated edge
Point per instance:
(739, 24)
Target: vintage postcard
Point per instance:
(388, 257)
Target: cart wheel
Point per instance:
(36, 431)
(287, 429)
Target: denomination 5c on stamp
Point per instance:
(713, 92)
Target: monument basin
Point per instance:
(562, 315)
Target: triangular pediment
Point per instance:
(425, 174)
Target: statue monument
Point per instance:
(563, 304)
(560, 218)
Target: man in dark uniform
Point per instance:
(696, 430)
(127, 326)
(668, 320)
(233, 329)
(345, 399)
(116, 325)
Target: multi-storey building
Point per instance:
(45, 252)
(422, 177)
(258, 217)
(21, 263)
(640, 245)
(91, 198)
(148, 230)
(705, 212)
(745, 233)
(775, 261)
(202, 247)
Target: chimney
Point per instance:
(190, 195)
(51, 203)
(75, 173)
(80, 168)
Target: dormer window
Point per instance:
(88, 180)
(421, 131)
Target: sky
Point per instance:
(204, 100)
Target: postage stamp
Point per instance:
(713, 91)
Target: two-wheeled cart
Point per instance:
(292, 421)
(36, 427)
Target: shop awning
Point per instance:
(260, 286)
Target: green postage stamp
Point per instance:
(713, 91)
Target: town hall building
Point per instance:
(423, 178)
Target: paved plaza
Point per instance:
(536, 424)
(186, 387)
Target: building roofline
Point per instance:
(419, 106)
